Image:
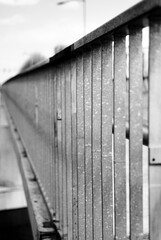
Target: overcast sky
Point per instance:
(28, 26)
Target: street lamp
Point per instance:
(84, 11)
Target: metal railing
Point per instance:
(74, 114)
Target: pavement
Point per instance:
(11, 187)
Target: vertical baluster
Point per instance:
(53, 106)
(50, 90)
(36, 122)
(28, 115)
(65, 232)
(40, 123)
(59, 123)
(56, 147)
(107, 114)
(119, 136)
(136, 133)
(154, 127)
(47, 133)
(44, 128)
(42, 131)
(87, 62)
(35, 102)
(33, 122)
(97, 141)
(74, 150)
(26, 112)
(33, 118)
(39, 126)
(80, 147)
(56, 144)
(68, 148)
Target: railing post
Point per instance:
(119, 135)
(155, 128)
(135, 132)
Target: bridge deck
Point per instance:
(11, 188)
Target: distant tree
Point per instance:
(58, 48)
(34, 59)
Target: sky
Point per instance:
(38, 26)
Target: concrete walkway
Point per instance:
(11, 188)
(14, 220)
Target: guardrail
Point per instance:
(74, 114)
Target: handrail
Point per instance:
(74, 114)
(138, 13)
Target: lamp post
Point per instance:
(84, 11)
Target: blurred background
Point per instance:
(37, 29)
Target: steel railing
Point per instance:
(93, 136)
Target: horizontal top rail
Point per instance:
(140, 10)
(136, 15)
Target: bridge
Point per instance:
(86, 129)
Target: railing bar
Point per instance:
(59, 120)
(42, 139)
(154, 127)
(56, 146)
(53, 187)
(107, 114)
(40, 119)
(87, 63)
(36, 122)
(38, 128)
(42, 134)
(50, 136)
(68, 147)
(53, 143)
(136, 138)
(119, 135)
(97, 160)
(65, 231)
(80, 147)
(48, 131)
(74, 150)
(45, 124)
